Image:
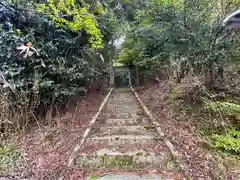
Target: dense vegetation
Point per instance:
(74, 43)
(182, 41)
(184, 35)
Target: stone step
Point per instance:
(120, 111)
(120, 115)
(122, 100)
(123, 112)
(126, 129)
(113, 159)
(115, 140)
(122, 103)
(132, 177)
(123, 108)
(91, 147)
(126, 122)
(146, 133)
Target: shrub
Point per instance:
(67, 59)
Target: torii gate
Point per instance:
(120, 76)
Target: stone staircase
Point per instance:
(123, 137)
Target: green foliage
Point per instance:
(229, 142)
(81, 19)
(66, 62)
(68, 37)
(181, 35)
(50, 79)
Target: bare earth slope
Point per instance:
(198, 162)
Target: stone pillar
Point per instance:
(129, 78)
(111, 74)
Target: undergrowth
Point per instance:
(216, 121)
(11, 159)
(229, 142)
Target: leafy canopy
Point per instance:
(77, 16)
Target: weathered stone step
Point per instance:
(121, 112)
(123, 101)
(116, 109)
(123, 139)
(122, 104)
(91, 148)
(119, 106)
(117, 115)
(124, 109)
(121, 115)
(146, 133)
(132, 177)
(126, 122)
(112, 159)
(122, 98)
(126, 129)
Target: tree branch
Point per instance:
(220, 30)
(6, 7)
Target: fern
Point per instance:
(229, 142)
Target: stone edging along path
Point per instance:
(156, 124)
(93, 121)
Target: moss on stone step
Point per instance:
(119, 161)
(136, 160)
(149, 127)
(139, 153)
(93, 177)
